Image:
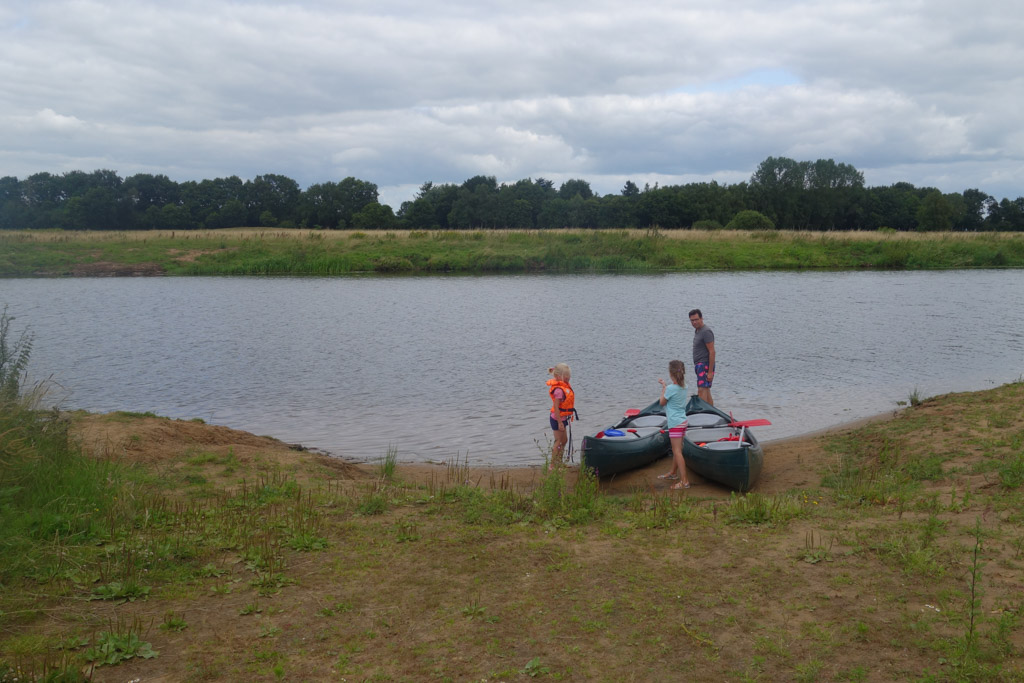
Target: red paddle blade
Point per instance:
(750, 423)
(632, 412)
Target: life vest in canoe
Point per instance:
(567, 407)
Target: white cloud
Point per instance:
(49, 120)
(399, 93)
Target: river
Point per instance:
(446, 367)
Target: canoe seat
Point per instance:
(725, 445)
(649, 421)
(705, 420)
(641, 432)
(710, 434)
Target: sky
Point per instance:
(398, 93)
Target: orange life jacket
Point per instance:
(566, 407)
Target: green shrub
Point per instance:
(750, 220)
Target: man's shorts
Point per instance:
(702, 376)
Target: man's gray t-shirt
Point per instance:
(701, 338)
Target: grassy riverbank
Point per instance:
(136, 547)
(303, 252)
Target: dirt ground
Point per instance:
(788, 463)
(398, 598)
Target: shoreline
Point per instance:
(792, 462)
(788, 462)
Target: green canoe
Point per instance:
(643, 440)
(713, 449)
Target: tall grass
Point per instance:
(49, 494)
(304, 252)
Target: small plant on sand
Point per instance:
(755, 508)
(534, 668)
(174, 622)
(388, 464)
(473, 610)
(816, 551)
(1011, 472)
(120, 591)
(556, 501)
(122, 642)
(374, 502)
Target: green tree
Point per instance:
(207, 202)
(276, 194)
(476, 204)
(374, 217)
(97, 209)
(573, 187)
(332, 205)
(936, 213)
(976, 204)
(430, 209)
(144, 190)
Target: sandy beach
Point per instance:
(789, 463)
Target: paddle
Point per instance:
(632, 412)
(750, 423)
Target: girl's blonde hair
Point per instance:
(677, 370)
(560, 371)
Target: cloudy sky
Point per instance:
(398, 92)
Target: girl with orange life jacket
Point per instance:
(563, 401)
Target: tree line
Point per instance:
(782, 193)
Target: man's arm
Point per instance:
(711, 359)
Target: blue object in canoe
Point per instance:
(637, 440)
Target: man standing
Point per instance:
(703, 355)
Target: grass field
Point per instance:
(135, 547)
(305, 252)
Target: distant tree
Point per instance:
(630, 189)
(618, 211)
(1007, 214)
(664, 207)
(894, 206)
(488, 182)
(333, 205)
(935, 213)
(431, 207)
(976, 205)
(777, 187)
(277, 194)
(97, 209)
(476, 205)
(554, 214)
(575, 186)
(374, 217)
(216, 203)
(144, 190)
(11, 208)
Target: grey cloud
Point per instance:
(399, 93)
